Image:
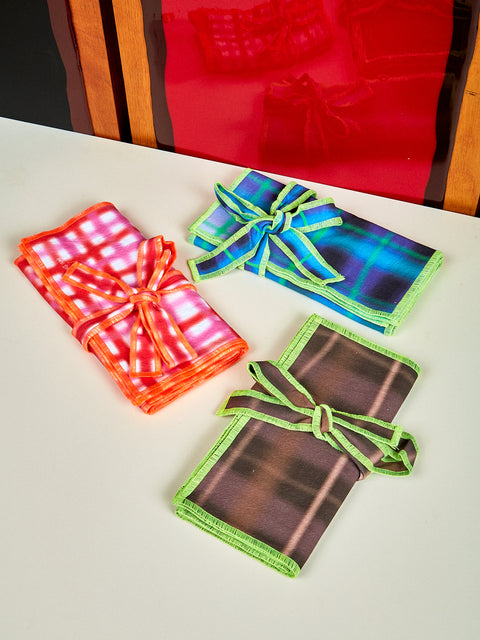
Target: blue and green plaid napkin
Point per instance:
(283, 232)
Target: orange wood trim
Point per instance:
(136, 72)
(463, 181)
(88, 27)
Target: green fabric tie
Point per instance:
(374, 445)
(262, 234)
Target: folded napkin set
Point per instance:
(318, 418)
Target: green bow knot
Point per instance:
(278, 398)
(319, 426)
(274, 238)
(281, 222)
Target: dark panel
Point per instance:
(157, 57)
(32, 74)
(115, 64)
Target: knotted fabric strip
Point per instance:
(127, 304)
(155, 336)
(282, 232)
(278, 33)
(316, 420)
(285, 224)
(374, 445)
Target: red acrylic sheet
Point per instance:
(365, 117)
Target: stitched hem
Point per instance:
(191, 512)
(405, 305)
(237, 539)
(166, 390)
(386, 322)
(309, 328)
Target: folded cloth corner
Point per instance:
(316, 420)
(144, 321)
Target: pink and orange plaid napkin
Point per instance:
(142, 318)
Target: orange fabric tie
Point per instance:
(154, 336)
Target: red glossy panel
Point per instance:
(340, 92)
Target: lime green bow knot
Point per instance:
(271, 239)
(278, 398)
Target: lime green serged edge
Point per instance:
(311, 325)
(406, 303)
(254, 548)
(187, 510)
(191, 512)
(390, 321)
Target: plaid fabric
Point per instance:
(142, 319)
(383, 273)
(279, 399)
(273, 34)
(271, 491)
(264, 235)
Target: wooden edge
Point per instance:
(462, 192)
(136, 72)
(88, 28)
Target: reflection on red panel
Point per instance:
(271, 35)
(337, 91)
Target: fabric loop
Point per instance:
(281, 222)
(155, 338)
(374, 445)
(322, 420)
(317, 421)
(145, 296)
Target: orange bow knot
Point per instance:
(143, 296)
(154, 336)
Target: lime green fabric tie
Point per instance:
(281, 230)
(374, 445)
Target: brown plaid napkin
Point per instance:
(316, 421)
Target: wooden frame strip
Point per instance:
(88, 28)
(463, 181)
(136, 72)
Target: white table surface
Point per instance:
(90, 547)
